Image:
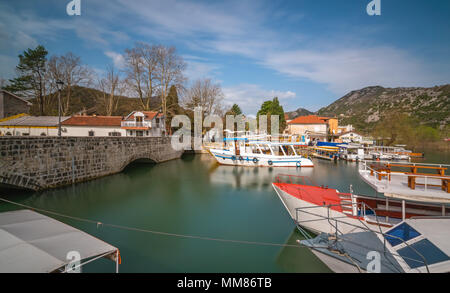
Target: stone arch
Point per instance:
(19, 181)
(137, 158)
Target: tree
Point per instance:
(110, 87)
(31, 81)
(206, 94)
(395, 127)
(173, 107)
(170, 67)
(235, 110)
(67, 68)
(136, 75)
(271, 108)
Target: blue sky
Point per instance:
(307, 52)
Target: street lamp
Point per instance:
(59, 85)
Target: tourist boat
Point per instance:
(386, 153)
(309, 205)
(326, 153)
(351, 152)
(415, 245)
(244, 151)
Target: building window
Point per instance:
(25, 134)
(43, 134)
(8, 133)
(139, 133)
(91, 133)
(115, 133)
(146, 133)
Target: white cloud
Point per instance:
(250, 97)
(343, 70)
(118, 59)
(199, 67)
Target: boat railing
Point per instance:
(361, 216)
(384, 175)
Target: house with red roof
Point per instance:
(80, 125)
(317, 127)
(137, 123)
(144, 123)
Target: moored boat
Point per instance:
(241, 151)
(310, 205)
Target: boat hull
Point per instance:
(314, 217)
(256, 160)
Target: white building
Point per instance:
(25, 125)
(350, 136)
(92, 126)
(144, 123)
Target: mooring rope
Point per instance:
(98, 223)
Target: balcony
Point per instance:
(136, 125)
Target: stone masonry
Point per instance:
(39, 163)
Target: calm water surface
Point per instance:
(195, 196)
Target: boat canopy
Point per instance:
(329, 144)
(33, 243)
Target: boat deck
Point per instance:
(427, 188)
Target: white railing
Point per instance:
(136, 124)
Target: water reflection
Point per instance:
(298, 259)
(193, 196)
(239, 177)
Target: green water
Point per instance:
(193, 196)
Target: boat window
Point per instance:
(429, 251)
(403, 231)
(282, 149)
(293, 149)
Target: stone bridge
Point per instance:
(38, 163)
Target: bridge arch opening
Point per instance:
(134, 161)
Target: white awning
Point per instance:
(34, 243)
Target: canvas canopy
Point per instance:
(33, 243)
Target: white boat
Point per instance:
(241, 151)
(310, 205)
(351, 152)
(415, 245)
(408, 233)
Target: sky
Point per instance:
(308, 53)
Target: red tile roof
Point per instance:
(93, 121)
(310, 119)
(149, 115)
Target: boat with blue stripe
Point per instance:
(244, 151)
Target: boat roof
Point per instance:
(32, 242)
(276, 143)
(434, 229)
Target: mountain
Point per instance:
(298, 112)
(90, 101)
(365, 107)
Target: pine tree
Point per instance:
(31, 80)
(270, 108)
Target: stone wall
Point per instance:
(44, 162)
